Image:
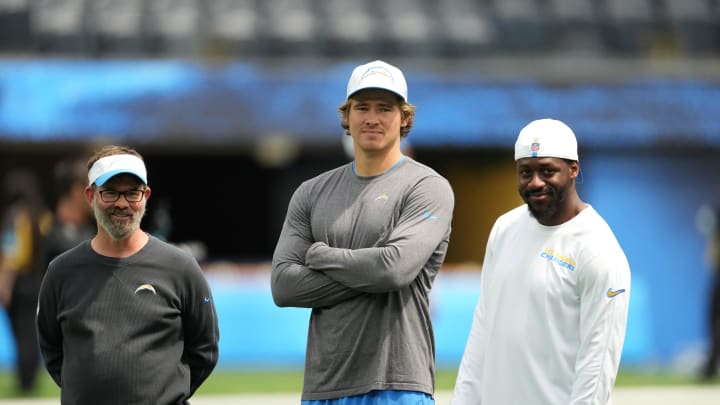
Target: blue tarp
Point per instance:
(255, 333)
(165, 101)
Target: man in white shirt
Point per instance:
(550, 322)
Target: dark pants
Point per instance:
(711, 367)
(22, 312)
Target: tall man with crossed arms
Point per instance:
(361, 245)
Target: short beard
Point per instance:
(117, 230)
(559, 196)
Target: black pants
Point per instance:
(22, 312)
(711, 367)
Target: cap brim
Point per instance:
(376, 88)
(107, 176)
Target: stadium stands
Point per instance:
(348, 28)
(57, 25)
(695, 24)
(114, 26)
(230, 26)
(358, 28)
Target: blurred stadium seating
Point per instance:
(447, 28)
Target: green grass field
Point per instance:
(233, 382)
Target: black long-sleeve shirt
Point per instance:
(136, 330)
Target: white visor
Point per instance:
(105, 168)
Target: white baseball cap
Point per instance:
(105, 168)
(546, 138)
(377, 75)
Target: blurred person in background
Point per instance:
(124, 317)
(72, 217)
(710, 368)
(25, 221)
(550, 322)
(361, 245)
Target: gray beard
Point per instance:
(116, 230)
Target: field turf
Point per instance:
(277, 381)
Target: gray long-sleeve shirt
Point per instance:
(363, 253)
(136, 330)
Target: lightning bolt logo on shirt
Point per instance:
(145, 287)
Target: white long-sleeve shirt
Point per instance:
(550, 322)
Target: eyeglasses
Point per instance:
(114, 195)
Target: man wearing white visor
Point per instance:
(550, 322)
(125, 318)
(361, 245)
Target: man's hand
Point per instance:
(309, 254)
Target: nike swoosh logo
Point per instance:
(206, 300)
(613, 294)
